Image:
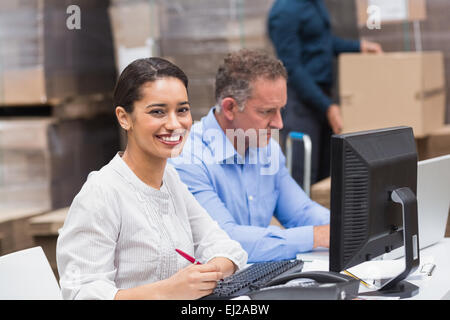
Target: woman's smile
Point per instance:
(170, 139)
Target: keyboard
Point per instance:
(253, 278)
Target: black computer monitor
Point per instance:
(373, 201)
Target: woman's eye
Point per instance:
(183, 110)
(157, 112)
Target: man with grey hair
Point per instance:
(233, 164)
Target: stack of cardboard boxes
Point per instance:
(400, 88)
(194, 34)
(397, 88)
(46, 62)
(436, 144)
(420, 29)
(393, 89)
(45, 161)
(42, 59)
(135, 29)
(66, 75)
(199, 34)
(370, 12)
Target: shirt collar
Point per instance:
(221, 147)
(215, 139)
(125, 171)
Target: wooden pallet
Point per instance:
(14, 228)
(77, 107)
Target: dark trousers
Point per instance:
(302, 118)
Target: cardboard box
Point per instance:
(132, 42)
(390, 11)
(24, 86)
(45, 161)
(146, 13)
(436, 144)
(43, 61)
(392, 89)
(36, 195)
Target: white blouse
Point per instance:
(121, 233)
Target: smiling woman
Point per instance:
(156, 127)
(120, 237)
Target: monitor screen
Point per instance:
(367, 219)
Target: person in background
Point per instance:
(302, 37)
(236, 170)
(120, 237)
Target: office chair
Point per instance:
(27, 275)
(307, 145)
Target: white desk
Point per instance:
(432, 287)
(436, 286)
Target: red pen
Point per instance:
(187, 257)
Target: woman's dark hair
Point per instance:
(128, 87)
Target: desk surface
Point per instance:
(436, 286)
(432, 287)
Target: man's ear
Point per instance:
(229, 107)
(123, 117)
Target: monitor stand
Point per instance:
(402, 290)
(397, 287)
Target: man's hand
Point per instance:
(322, 236)
(334, 118)
(370, 47)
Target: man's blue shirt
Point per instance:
(243, 193)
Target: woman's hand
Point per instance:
(225, 265)
(192, 282)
